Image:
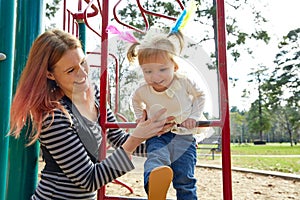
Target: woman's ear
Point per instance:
(50, 76)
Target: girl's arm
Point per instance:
(198, 100)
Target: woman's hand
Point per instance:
(153, 126)
(148, 128)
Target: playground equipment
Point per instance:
(76, 23)
(6, 59)
(224, 109)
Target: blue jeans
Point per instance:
(178, 152)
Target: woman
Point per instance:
(56, 97)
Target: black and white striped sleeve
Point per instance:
(60, 138)
(116, 137)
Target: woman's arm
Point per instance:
(117, 137)
(64, 145)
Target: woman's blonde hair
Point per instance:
(161, 45)
(37, 96)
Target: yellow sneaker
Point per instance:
(159, 183)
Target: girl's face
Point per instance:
(71, 73)
(159, 73)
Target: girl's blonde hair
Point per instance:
(37, 96)
(162, 45)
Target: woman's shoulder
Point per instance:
(57, 114)
(56, 124)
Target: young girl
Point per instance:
(183, 99)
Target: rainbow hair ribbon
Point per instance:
(184, 17)
(124, 35)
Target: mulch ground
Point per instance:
(245, 186)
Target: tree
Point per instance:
(283, 87)
(206, 16)
(207, 20)
(238, 125)
(52, 6)
(258, 120)
(284, 84)
(258, 114)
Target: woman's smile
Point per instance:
(82, 81)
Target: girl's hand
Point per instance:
(189, 123)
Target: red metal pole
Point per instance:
(103, 86)
(226, 157)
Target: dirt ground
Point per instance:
(245, 186)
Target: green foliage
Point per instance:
(282, 88)
(286, 77)
(52, 8)
(258, 116)
(132, 16)
(238, 126)
(238, 38)
(261, 35)
(205, 15)
(258, 122)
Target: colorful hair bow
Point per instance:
(124, 35)
(184, 17)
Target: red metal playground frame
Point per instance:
(101, 8)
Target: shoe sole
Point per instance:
(159, 183)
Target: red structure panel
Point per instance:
(97, 7)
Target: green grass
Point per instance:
(287, 165)
(271, 157)
(269, 149)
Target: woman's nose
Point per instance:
(82, 70)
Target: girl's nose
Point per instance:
(155, 77)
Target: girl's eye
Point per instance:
(70, 71)
(163, 69)
(147, 72)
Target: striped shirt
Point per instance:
(79, 177)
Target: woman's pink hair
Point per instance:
(37, 96)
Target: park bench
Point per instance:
(213, 144)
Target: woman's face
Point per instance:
(71, 73)
(159, 73)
